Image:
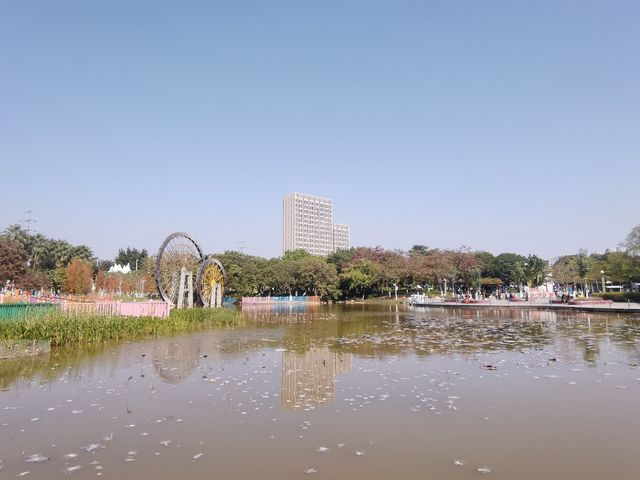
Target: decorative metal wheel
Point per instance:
(178, 251)
(210, 283)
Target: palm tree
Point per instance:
(39, 251)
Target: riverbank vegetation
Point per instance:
(63, 328)
(33, 262)
(365, 272)
(620, 296)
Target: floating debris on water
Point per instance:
(93, 447)
(36, 458)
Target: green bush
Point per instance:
(621, 296)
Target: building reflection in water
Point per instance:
(308, 379)
(174, 362)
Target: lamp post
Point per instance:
(604, 288)
(525, 280)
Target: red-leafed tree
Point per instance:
(79, 278)
(13, 261)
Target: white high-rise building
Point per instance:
(307, 223)
(340, 236)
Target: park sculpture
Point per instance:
(179, 259)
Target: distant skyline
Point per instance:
(504, 126)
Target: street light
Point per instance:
(525, 279)
(604, 288)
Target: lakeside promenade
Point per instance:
(542, 304)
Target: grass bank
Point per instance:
(63, 328)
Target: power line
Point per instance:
(28, 220)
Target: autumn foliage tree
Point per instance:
(79, 278)
(13, 261)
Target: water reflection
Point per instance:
(372, 332)
(308, 379)
(281, 307)
(174, 362)
(408, 390)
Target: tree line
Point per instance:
(34, 262)
(363, 272)
(38, 263)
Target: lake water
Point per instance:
(358, 392)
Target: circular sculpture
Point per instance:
(210, 283)
(179, 251)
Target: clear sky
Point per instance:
(501, 125)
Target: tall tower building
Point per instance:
(307, 223)
(340, 236)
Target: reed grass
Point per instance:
(62, 328)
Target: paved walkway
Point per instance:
(543, 304)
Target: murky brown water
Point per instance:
(357, 392)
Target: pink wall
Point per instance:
(124, 309)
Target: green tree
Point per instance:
(59, 279)
(318, 277)
(564, 270)
(509, 267)
(360, 279)
(20, 236)
(622, 268)
(245, 273)
(583, 266)
(83, 252)
(486, 259)
(104, 265)
(535, 270)
(341, 258)
(632, 242)
(132, 257)
(62, 253)
(419, 250)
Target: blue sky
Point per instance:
(501, 125)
